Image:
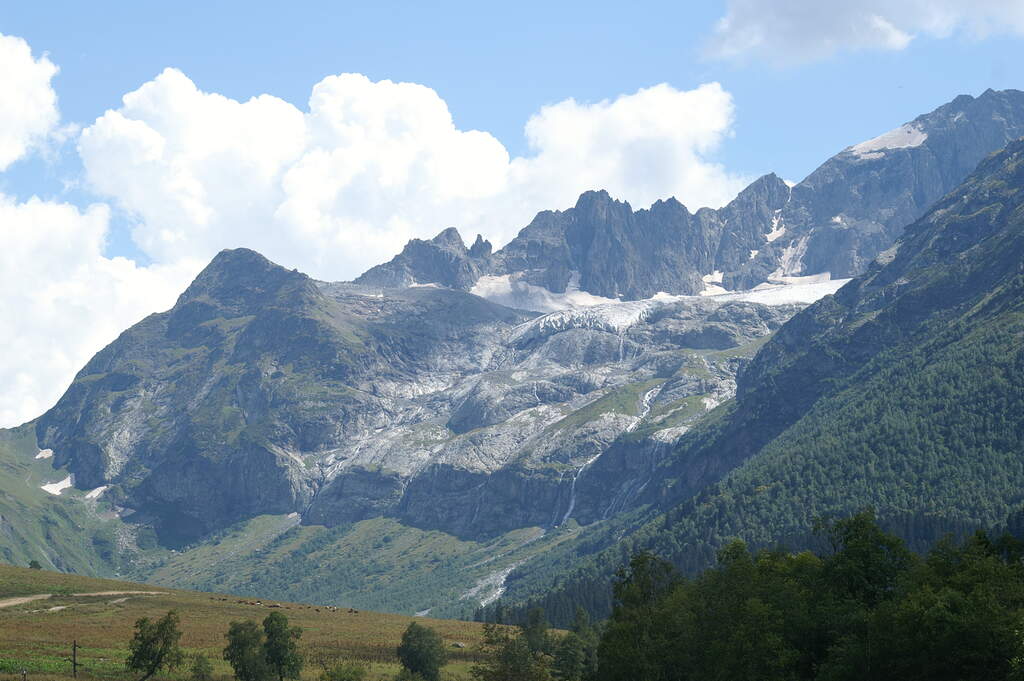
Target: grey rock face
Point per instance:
(263, 391)
(856, 204)
(443, 260)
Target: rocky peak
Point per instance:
(443, 260)
(481, 248)
(240, 280)
(448, 239)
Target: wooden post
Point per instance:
(74, 658)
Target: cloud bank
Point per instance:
(342, 186)
(791, 32)
(61, 298)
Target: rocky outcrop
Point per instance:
(443, 260)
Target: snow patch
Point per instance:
(431, 284)
(713, 283)
(97, 493)
(753, 253)
(45, 454)
(778, 228)
(787, 293)
(511, 290)
(56, 488)
(905, 136)
(792, 259)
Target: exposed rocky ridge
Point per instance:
(264, 391)
(836, 220)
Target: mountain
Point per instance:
(269, 410)
(263, 391)
(834, 222)
(902, 392)
(459, 423)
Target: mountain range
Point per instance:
(461, 424)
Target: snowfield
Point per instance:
(56, 488)
(96, 493)
(907, 135)
(511, 291)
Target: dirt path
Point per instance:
(8, 602)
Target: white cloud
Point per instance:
(786, 32)
(63, 299)
(342, 186)
(641, 147)
(28, 104)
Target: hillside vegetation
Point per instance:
(904, 391)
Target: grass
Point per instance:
(36, 637)
(622, 400)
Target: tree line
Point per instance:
(864, 607)
(270, 652)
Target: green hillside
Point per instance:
(904, 392)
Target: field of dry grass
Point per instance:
(37, 635)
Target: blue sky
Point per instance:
(497, 66)
(143, 173)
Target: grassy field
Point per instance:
(37, 635)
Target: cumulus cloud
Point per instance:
(28, 104)
(793, 31)
(343, 185)
(63, 299)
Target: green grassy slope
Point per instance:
(66, 532)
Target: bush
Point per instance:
(201, 669)
(345, 671)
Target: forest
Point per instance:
(864, 607)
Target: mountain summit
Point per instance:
(833, 223)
